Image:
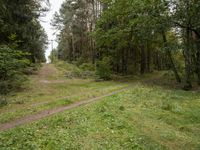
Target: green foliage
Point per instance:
(53, 56)
(70, 70)
(32, 69)
(3, 101)
(12, 65)
(22, 40)
(87, 67)
(103, 69)
(138, 36)
(75, 42)
(19, 24)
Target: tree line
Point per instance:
(132, 36)
(22, 40)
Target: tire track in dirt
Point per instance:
(74, 95)
(38, 104)
(46, 113)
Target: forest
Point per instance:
(22, 42)
(132, 36)
(124, 75)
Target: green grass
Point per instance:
(50, 90)
(151, 115)
(55, 90)
(144, 117)
(33, 108)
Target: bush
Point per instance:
(32, 69)
(87, 67)
(88, 74)
(12, 66)
(65, 66)
(76, 73)
(3, 101)
(103, 70)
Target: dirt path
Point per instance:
(49, 71)
(49, 74)
(46, 113)
(72, 96)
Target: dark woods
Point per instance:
(22, 40)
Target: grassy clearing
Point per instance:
(50, 89)
(147, 116)
(144, 117)
(10, 114)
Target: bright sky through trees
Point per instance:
(46, 23)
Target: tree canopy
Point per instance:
(22, 40)
(138, 36)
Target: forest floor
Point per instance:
(135, 113)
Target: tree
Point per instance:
(76, 20)
(21, 18)
(185, 17)
(12, 65)
(22, 40)
(136, 35)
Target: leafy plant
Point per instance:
(104, 68)
(87, 67)
(12, 64)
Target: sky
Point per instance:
(46, 23)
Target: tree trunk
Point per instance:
(126, 61)
(188, 84)
(148, 58)
(143, 60)
(171, 61)
(198, 66)
(73, 49)
(197, 61)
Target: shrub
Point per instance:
(88, 74)
(87, 67)
(12, 65)
(76, 73)
(65, 66)
(3, 101)
(32, 69)
(103, 69)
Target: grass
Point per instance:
(149, 116)
(33, 108)
(52, 93)
(144, 117)
(50, 89)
